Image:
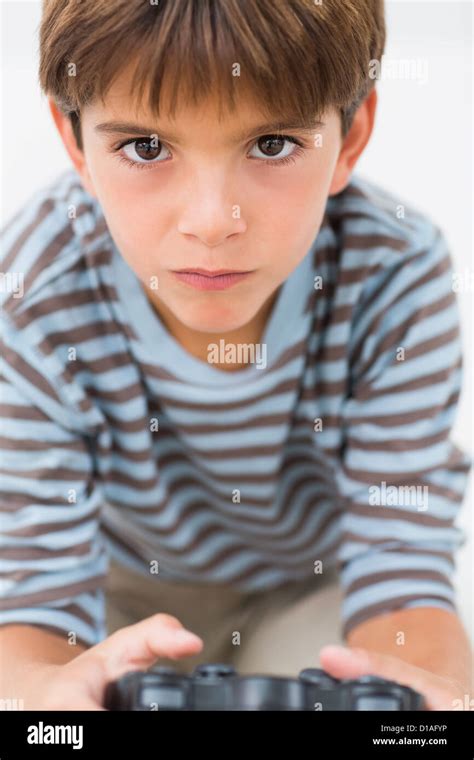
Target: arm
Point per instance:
(49, 561)
(433, 639)
(28, 648)
(29, 643)
(397, 559)
(433, 655)
(46, 675)
(52, 562)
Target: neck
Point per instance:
(197, 343)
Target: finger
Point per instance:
(139, 645)
(345, 662)
(342, 662)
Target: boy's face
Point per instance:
(206, 197)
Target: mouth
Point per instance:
(206, 279)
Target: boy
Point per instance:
(231, 364)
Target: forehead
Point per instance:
(120, 106)
(122, 93)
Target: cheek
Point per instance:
(292, 213)
(136, 218)
(125, 194)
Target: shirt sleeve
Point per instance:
(400, 478)
(53, 562)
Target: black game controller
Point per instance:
(219, 687)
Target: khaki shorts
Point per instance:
(279, 631)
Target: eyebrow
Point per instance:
(120, 127)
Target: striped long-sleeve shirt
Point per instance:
(116, 441)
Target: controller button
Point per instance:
(368, 680)
(378, 703)
(317, 677)
(214, 670)
(164, 670)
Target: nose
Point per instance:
(210, 212)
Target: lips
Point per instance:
(206, 279)
(211, 273)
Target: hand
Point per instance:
(80, 684)
(440, 693)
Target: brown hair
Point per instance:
(297, 57)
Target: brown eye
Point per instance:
(146, 150)
(271, 145)
(275, 150)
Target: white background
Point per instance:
(421, 149)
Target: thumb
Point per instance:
(348, 663)
(138, 646)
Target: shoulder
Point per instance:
(51, 298)
(394, 277)
(383, 242)
(45, 240)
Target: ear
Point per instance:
(64, 127)
(354, 142)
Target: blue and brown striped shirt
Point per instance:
(115, 441)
